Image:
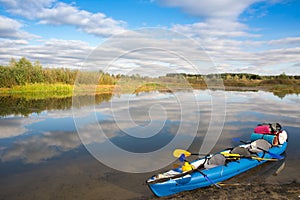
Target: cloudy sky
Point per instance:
(257, 36)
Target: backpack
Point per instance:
(214, 161)
(240, 150)
(267, 128)
(257, 145)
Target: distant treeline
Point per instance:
(22, 72)
(242, 79)
(234, 76)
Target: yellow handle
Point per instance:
(226, 154)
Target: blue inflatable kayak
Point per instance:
(176, 180)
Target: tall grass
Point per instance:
(42, 87)
(57, 90)
(40, 90)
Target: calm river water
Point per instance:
(42, 155)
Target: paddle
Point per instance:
(233, 184)
(208, 179)
(178, 152)
(235, 155)
(187, 153)
(277, 156)
(182, 159)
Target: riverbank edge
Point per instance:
(66, 90)
(243, 191)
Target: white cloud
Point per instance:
(215, 9)
(26, 8)
(231, 44)
(92, 23)
(284, 42)
(149, 52)
(217, 28)
(220, 18)
(58, 13)
(256, 56)
(228, 54)
(297, 65)
(51, 53)
(234, 58)
(10, 28)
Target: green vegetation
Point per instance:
(31, 79)
(38, 87)
(280, 85)
(23, 72)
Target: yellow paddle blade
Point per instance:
(178, 152)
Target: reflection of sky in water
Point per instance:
(244, 111)
(142, 145)
(50, 135)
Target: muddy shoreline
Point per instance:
(241, 191)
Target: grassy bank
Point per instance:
(60, 90)
(41, 87)
(39, 90)
(57, 90)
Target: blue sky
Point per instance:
(253, 36)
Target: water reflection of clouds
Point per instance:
(139, 106)
(259, 107)
(145, 108)
(38, 148)
(15, 126)
(11, 128)
(46, 137)
(37, 138)
(130, 114)
(57, 133)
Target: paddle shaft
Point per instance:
(199, 154)
(234, 184)
(253, 157)
(229, 155)
(208, 179)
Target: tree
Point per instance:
(283, 76)
(23, 63)
(12, 62)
